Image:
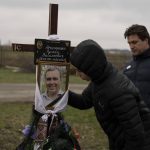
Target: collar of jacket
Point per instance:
(145, 54)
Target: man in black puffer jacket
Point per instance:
(138, 70)
(118, 106)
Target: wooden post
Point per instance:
(53, 19)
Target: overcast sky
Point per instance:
(21, 21)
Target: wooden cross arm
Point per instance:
(23, 47)
(28, 47)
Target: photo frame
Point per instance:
(64, 74)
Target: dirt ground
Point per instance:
(25, 92)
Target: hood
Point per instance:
(89, 58)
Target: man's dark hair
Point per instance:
(139, 30)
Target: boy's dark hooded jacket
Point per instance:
(118, 106)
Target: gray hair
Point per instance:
(53, 68)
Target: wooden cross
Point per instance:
(52, 29)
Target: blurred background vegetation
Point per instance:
(23, 61)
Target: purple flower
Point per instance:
(27, 130)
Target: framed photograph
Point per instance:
(53, 75)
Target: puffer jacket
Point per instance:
(138, 71)
(119, 109)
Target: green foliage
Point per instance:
(14, 116)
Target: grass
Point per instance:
(9, 76)
(15, 115)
